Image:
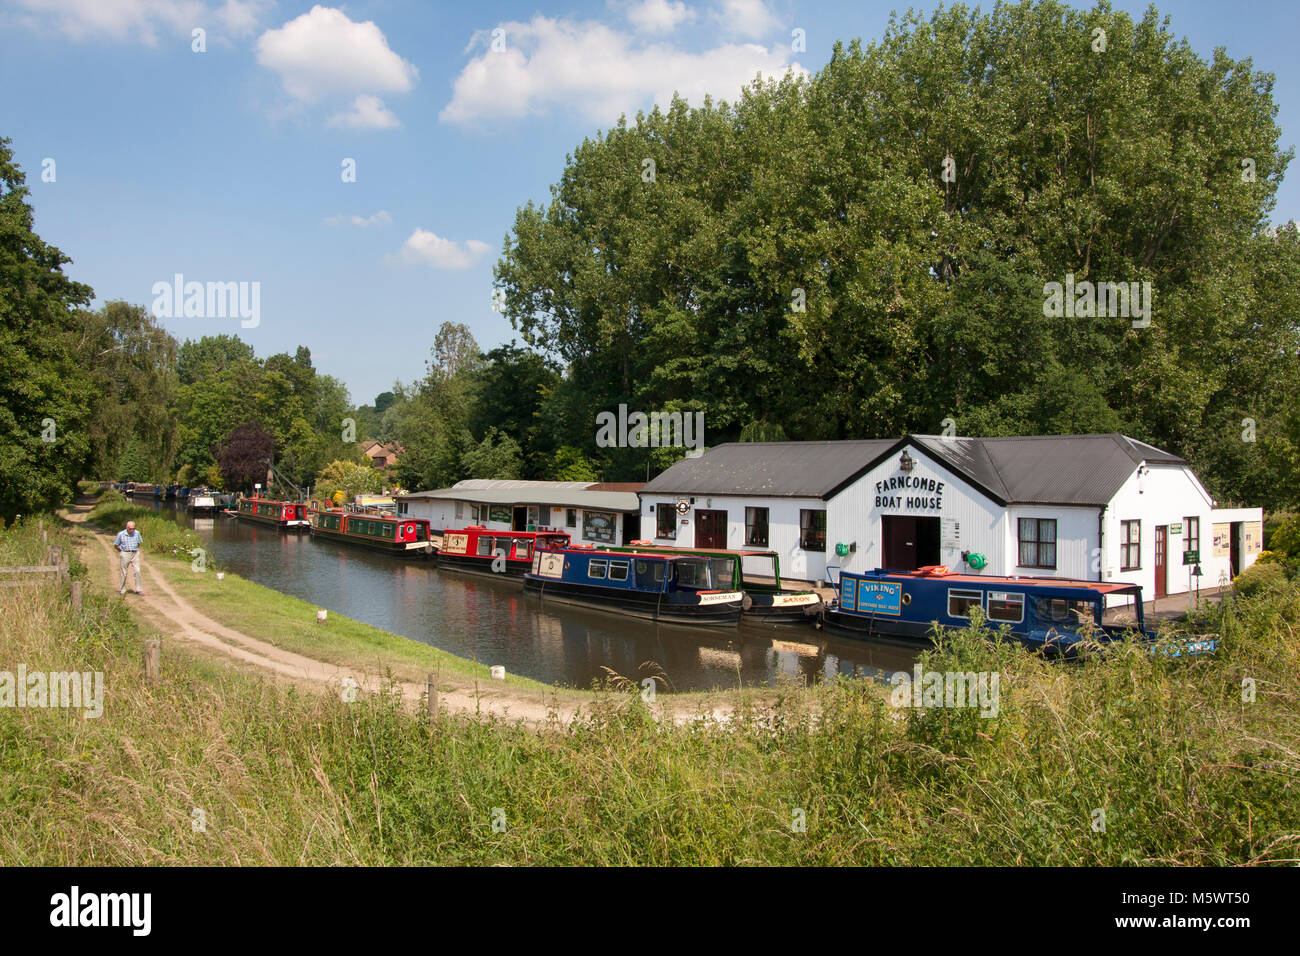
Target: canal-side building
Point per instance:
(590, 512)
(1095, 507)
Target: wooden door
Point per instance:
(710, 529)
(898, 539)
(1162, 560)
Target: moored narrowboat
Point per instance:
(202, 503)
(402, 537)
(1052, 615)
(757, 573)
(495, 552)
(285, 515)
(668, 588)
(142, 489)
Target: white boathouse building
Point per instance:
(1094, 507)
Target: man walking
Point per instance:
(128, 546)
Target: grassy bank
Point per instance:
(281, 619)
(1184, 769)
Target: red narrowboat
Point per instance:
(285, 515)
(501, 552)
(403, 537)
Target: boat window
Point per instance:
(1006, 606)
(961, 602)
(647, 571)
(724, 573)
(523, 548)
(1058, 612)
(597, 568)
(484, 545)
(618, 570)
(692, 574)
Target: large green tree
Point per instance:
(46, 396)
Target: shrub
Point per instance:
(1259, 578)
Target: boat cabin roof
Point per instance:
(1097, 587)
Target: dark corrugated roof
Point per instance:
(780, 469)
(1037, 469)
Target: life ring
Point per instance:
(642, 543)
(410, 529)
(584, 546)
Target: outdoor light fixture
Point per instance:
(905, 463)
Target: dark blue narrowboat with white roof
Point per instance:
(670, 588)
(1053, 615)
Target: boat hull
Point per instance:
(667, 608)
(397, 549)
(281, 523)
(482, 564)
(782, 608)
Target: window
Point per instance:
(756, 527)
(1191, 534)
(1038, 542)
(665, 520)
(401, 507)
(648, 572)
(1006, 607)
(618, 570)
(961, 602)
(523, 549)
(812, 530)
(571, 518)
(598, 568)
(460, 510)
(484, 545)
(1130, 546)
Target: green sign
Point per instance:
(1176, 528)
(1192, 557)
(499, 514)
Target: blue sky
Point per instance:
(226, 165)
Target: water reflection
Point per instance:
(491, 620)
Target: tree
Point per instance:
(243, 456)
(496, 456)
(46, 396)
(349, 477)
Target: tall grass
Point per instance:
(158, 534)
(1183, 769)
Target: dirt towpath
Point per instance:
(173, 614)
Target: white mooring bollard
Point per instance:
(498, 672)
(321, 616)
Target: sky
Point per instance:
(362, 163)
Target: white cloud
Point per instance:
(750, 19)
(322, 53)
(381, 218)
(658, 16)
(368, 112)
(596, 71)
(142, 20)
(427, 249)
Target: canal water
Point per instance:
(490, 620)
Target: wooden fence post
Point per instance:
(152, 659)
(432, 688)
(76, 595)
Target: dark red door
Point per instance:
(1162, 541)
(710, 529)
(898, 536)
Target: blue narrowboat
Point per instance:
(670, 588)
(1054, 615)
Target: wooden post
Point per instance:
(152, 659)
(76, 595)
(64, 575)
(432, 689)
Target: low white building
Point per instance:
(1092, 507)
(589, 511)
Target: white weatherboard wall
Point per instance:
(853, 515)
(442, 516)
(783, 527)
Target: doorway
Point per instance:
(909, 542)
(1234, 547)
(710, 529)
(1162, 560)
(520, 522)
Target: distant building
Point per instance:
(589, 511)
(381, 455)
(1094, 507)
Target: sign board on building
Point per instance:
(1176, 528)
(1192, 556)
(683, 506)
(1254, 534)
(499, 514)
(1222, 539)
(599, 526)
(951, 534)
